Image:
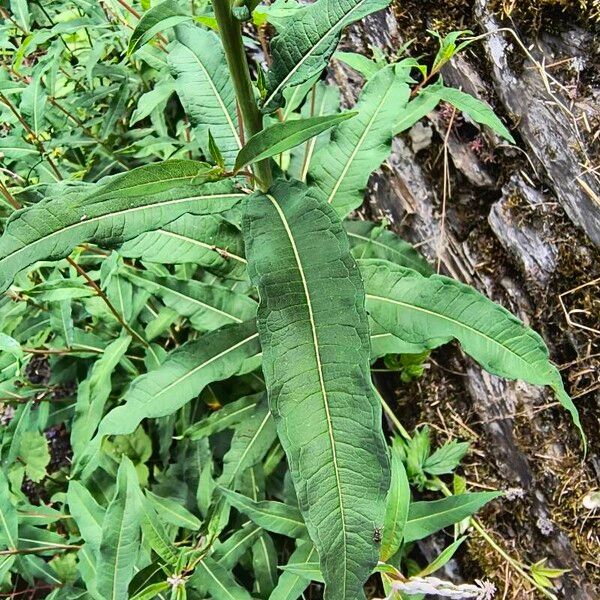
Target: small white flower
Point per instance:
(481, 590)
(176, 581)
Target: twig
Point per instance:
(108, 303)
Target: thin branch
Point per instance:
(108, 303)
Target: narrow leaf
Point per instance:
(282, 136)
(342, 168)
(290, 586)
(314, 336)
(276, 517)
(120, 536)
(110, 212)
(154, 20)
(430, 311)
(425, 518)
(205, 89)
(305, 43)
(218, 581)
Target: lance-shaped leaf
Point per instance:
(8, 516)
(219, 581)
(87, 514)
(303, 47)
(120, 536)
(251, 441)
(205, 89)
(227, 416)
(207, 306)
(206, 240)
(430, 311)
(116, 209)
(425, 518)
(154, 20)
(282, 136)
(231, 350)
(235, 546)
(396, 511)
(315, 341)
(342, 167)
(272, 516)
(291, 585)
(369, 240)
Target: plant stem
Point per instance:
(231, 36)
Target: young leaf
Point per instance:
(304, 45)
(218, 581)
(87, 514)
(231, 350)
(430, 311)
(342, 168)
(207, 306)
(205, 89)
(93, 393)
(425, 518)
(154, 20)
(120, 536)
(314, 335)
(369, 240)
(290, 586)
(445, 459)
(209, 241)
(251, 441)
(396, 511)
(477, 110)
(282, 136)
(172, 512)
(443, 558)
(418, 107)
(229, 415)
(116, 209)
(34, 454)
(272, 516)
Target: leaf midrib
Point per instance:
(450, 320)
(321, 378)
(115, 213)
(185, 297)
(308, 54)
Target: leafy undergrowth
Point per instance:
(185, 372)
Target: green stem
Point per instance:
(231, 36)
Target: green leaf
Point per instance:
(445, 459)
(425, 518)
(360, 63)
(443, 558)
(314, 336)
(93, 392)
(87, 514)
(305, 43)
(207, 306)
(154, 531)
(310, 570)
(276, 517)
(282, 136)
(8, 516)
(228, 416)
(430, 311)
(251, 441)
(205, 89)
(477, 110)
(218, 581)
(418, 107)
(396, 511)
(120, 536)
(172, 512)
(34, 454)
(231, 350)
(206, 240)
(264, 565)
(235, 546)
(290, 586)
(156, 19)
(116, 209)
(147, 102)
(369, 240)
(342, 168)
